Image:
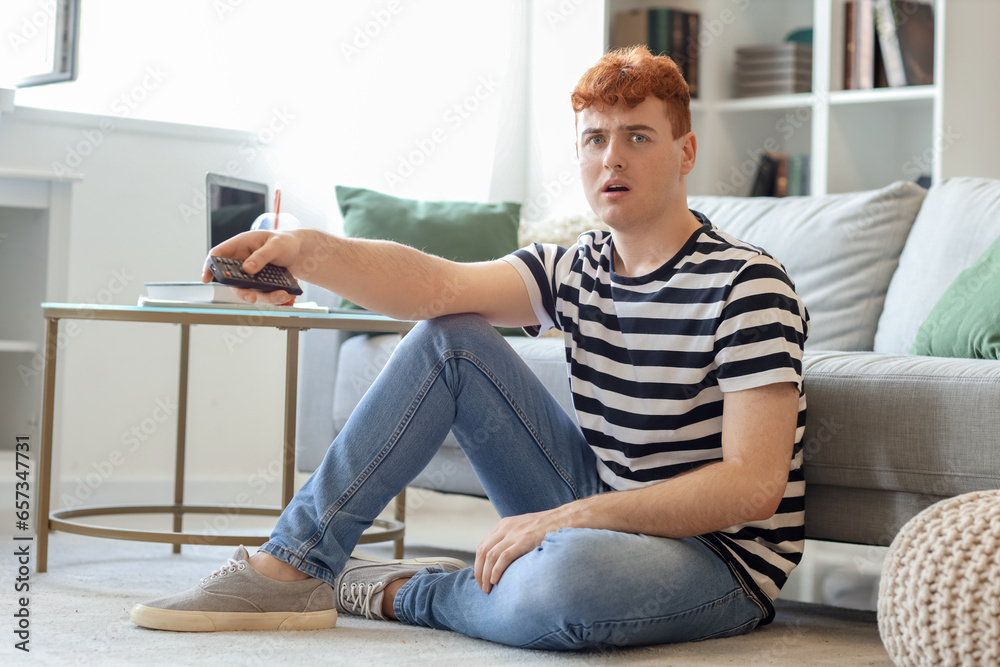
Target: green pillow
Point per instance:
(460, 231)
(965, 322)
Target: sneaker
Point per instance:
(238, 597)
(361, 584)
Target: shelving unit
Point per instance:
(34, 245)
(856, 139)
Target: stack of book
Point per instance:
(888, 43)
(211, 295)
(773, 69)
(669, 32)
(781, 175)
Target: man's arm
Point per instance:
(758, 431)
(385, 277)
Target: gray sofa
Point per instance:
(887, 433)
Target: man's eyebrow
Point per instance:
(638, 128)
(626, 128)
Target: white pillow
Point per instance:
(841, 251)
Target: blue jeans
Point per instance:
(582, 587)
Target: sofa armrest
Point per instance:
(897, 431)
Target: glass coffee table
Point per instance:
(293, 322)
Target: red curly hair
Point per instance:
(632, 74)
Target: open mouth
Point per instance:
(615, 188)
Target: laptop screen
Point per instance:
(233, 205)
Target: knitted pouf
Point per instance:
(939, 597)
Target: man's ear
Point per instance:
(689, 151)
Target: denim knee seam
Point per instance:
(521, 415)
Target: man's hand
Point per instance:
(257, 249)
(510, 539)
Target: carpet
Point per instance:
(79, 616)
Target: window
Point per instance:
(41, 41)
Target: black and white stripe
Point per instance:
(650, 357)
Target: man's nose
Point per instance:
(613, 158)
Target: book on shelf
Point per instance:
(763, 184)
(892, 57)
(915, 30)
(798, 175)
(888, 43)
(860, 45)
(664, 31)
(781, 175)
(773, 69)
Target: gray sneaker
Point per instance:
(361, 584)
(237, 597)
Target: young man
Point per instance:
(673, 512)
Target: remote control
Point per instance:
(269, 279)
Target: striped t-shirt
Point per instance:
(649, 359)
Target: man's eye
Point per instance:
(595, 140)
(639, 139)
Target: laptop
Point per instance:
(232, 205)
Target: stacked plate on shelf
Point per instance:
(773, 69)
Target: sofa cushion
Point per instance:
(959, 218)
(965, 322)
(841, 250)
(902, 423)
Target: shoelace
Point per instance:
(231, 566)
(358, 598)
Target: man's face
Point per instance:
(631, 166)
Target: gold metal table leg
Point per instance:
(397, 549)
(291, 387)
(182, 395)
(45, 459)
